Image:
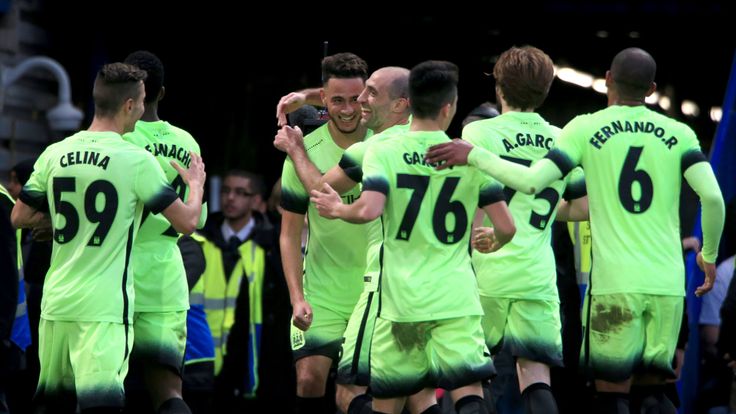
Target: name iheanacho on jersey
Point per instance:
(604, 133)
(181, 154)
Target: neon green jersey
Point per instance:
(425, 268)
(335, 259)
(95, 186)
(352, 164)
(160, 281)
(525, 266)
(633, 159)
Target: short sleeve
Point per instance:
(35, 190)
(575, 184)
(491, 191)
(352, 161)
(151, 186)
(568, 151)
(294, 197)
(375, 171)
(691, 152)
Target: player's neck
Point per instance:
(401, 119)
(106, 125)
(344, 140)
(418, 124)
(629, 102)
(508, 108)
(151, 113)
(615, 99)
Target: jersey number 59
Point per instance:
(104, 217)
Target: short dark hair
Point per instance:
(343, 66)
(524, 75)
(145, 60)
(115, 84)
(633, 71)
(23, 170)
(432, 85)
(256, 181)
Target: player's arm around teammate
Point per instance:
(185, 216)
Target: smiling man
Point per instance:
(326, 285)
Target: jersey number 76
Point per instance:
(442, 207)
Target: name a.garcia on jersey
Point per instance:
(84, 157)
(416, 158)
(526, 139)
(601, 136)
(181, 154)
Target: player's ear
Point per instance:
(399, 104)
(446, 110)
(652, 88)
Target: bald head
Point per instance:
(385, 99)
(633, 71)
(395, 79)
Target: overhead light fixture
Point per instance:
(575, 77)
(599, 85)
(652, 99)
(690, 108)
(716, 113)
(665, 102)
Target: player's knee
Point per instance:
(310, 384)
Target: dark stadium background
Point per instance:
(227, 65)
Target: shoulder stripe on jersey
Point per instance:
(162, 200)
(351, 168)
(35, 199)
(376, 184)
(491, 195)
(576, 189)
(293, 202)
(691, 158)
(560, 160)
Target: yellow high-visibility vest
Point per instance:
(21, 332)
(583, 244)
(219, 296)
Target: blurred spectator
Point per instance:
(244, 296)
(36, 256)
(486, 110)
(198, 377)
(307, 118)
(15, 334)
